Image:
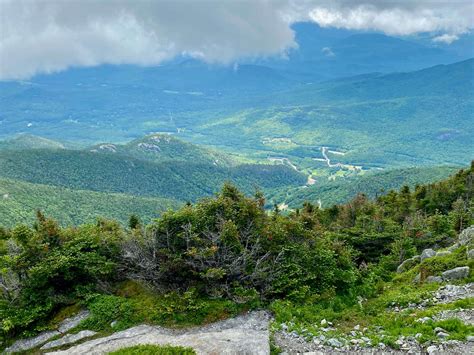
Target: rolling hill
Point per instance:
(151, 174)
(164, 148)
(19, 201)
(165, 168)
(29, 141)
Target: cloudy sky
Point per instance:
(42, 36)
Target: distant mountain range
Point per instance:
(155, 173)
(344, 107)
(420, 117)
(325, 53)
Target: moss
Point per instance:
(64, 313)
(154, 350)
(133, 304)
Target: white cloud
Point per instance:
(396, 17)
(47, 36)
(445, 38)
(42, 36)
(327, 51)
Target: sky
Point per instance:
(46, 36)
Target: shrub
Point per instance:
(227, 245)
(54, 267)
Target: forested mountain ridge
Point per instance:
(424, 114)
(159, 171)
(165, 147)
(19, 201)
(115, 173)
(421, 118)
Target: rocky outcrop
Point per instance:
(247, 334)
(408, 264)
(427, 253)
(451, 293)
(69, 323)
(31, 343)
(467, 236)
(68, 339)
(456, 273)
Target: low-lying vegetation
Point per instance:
(227, 254)
(154, 350)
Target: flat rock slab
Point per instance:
(64, 326)
(69, 323)
(30, 343)
(247, 334)
(68, 339)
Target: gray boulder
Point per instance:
(417, 279)
(470, 254)
(408, 264)
(443, 253)
(442, 335)
(427, 253)
(456, 273)
(334, 343)
(466, 236)
(69, 339)
(433, 279)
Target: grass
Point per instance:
(379, 314)
(436, 265)
(133, 304)
(154, 350)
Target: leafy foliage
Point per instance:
(47, 267)
(226, 254)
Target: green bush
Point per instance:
(226, 245)
(49, 267)
(154, 350)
